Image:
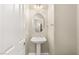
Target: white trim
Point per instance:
(51, 29)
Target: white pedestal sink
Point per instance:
(38, 41)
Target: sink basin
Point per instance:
(38, 40)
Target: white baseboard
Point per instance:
(40, 54)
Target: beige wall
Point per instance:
(77, 29)
(65, 29)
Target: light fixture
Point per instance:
(38, 6)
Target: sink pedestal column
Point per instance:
(38, 49)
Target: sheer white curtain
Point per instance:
(11, 29)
